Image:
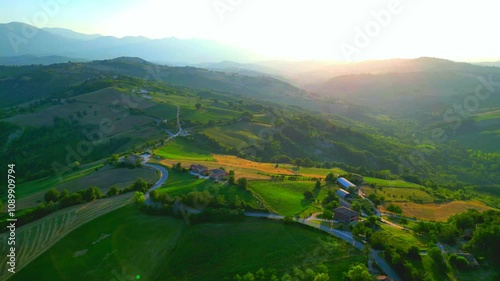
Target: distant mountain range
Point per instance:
(30, 59)
(22, 39)
(22, 84)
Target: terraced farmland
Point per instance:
(35, 238)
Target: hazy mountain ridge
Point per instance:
(23, 39)
(23, 84)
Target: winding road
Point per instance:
(344, 235)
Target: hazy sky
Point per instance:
(305, 29)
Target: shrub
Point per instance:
(51, 195)
(394, 208)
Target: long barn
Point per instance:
(344, 183)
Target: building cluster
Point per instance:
(345, 214)
(215, 174)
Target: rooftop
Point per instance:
(345, 211)
(345, 182)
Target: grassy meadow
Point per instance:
(183, 183)
(130, 245)
(183, 149)
(32, 192)
(438, 211)
(284, 198)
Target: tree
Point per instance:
(330, 177)
(92, 194)
(298, 161)
(139, 198)
(317, 186)
(72, 199)
(436, 255)
(113, 191)
(230, 179)
(75, 165)
(248, 277)
(327, 214)
(308, 195)
(140, 185)
(114, 158)
(51, 195)
(372, 220)
(413, 252)
(459, 262)
(242, 183)
(359, 272)
(394, 208)
(64, 194)
(197, 106)
(331, 201)
(307, 162)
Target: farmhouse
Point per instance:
(198, 169)
(344, 214)
(345, 184)
(217, 174)
(343, 194)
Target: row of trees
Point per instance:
(357, 272)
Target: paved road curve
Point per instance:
(344, 235)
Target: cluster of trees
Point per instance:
(126, 163)
(309, 194)
(316, 273)
(400, 260)
(66, 199)
(377, 200)
(331, 200)
(365, 228)
(178, 167)
(485, 229)
(43, 151)
(364, 205)
(213, 209)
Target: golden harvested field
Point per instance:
(254, 170)
(438, 212)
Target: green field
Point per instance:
(285, 198)
(183, 183)
(206, 114)
(215, 251)
(401, 194)
(210, 110)
(36, 237)
(183, 149)
(127, 244)
(32, 192)
(403, 238)
(390, 183)
(28, 188)
(487, 115)
(162, 111)
(135, 243)
(237, 135)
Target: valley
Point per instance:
(130, 169)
